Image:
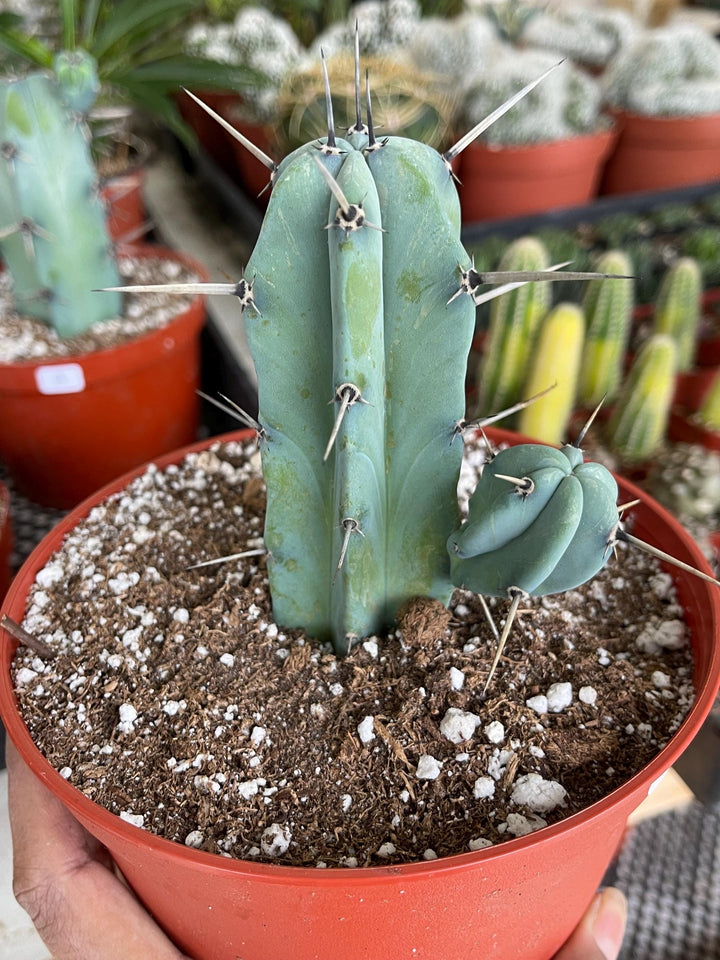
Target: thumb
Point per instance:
(599, 934)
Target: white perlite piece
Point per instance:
(479, 843)
(457, 678)
(495, 732)
(458, 725)
(428, 768)
(660, 680)
(484, 788)
(366, 730)
(559, 696)
(540, 795)
(227, 659)
(136, 819)
(587, 695)
(539, 703)
(128, 716)
(386, 850)
(275, 840)
(520, 826)
(669, 635)
(194, 839)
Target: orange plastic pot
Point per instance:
(500, 182)
(69, 425)
(658, 153)
(5, 541)
(214, 140)
(126, 215)
(253, 175)
(516, 901)
(683, 429)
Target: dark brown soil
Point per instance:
(177, 703)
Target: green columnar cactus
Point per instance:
(678, 307)
(608, 310)
(556, 364)
(709, 413)
(514, 321)
(638, 424)
(360, 317)
(53, 236)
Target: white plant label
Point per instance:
(60, 378)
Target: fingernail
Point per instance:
(609, 923)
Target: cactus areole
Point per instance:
(361, 346)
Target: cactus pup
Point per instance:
(53, 236)
(359, 308)
(678, 308)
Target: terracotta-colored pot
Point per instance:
(683, 429)
(126, 215)
(68, 425)
(518, 900)
(658, 153)
(513, 181)
(5, 541)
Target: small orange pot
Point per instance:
(500, 182)
(683, 429)
(516, 901)
(69, 425)
(5, 541)
(216, 142)
(253, 175)
(126, 216)
(658, 153)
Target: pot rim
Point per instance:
(148, 251)
(75, 800)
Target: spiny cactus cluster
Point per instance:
(671, 71)
(567, 105)
(384, 27)
(53, 235)
(587, 35)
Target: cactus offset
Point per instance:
(556, 361)
(637, 427)
(678, 307)
(514, 321)
(608, 310)
(53, 236)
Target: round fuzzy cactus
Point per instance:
(454, 50)
(384, 27)
(565, 105)
(672, 71)
(584, 34)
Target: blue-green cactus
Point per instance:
(540, 521)
(53, 236)
(364, 312)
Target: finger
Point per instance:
(61, 878)
(599, 934)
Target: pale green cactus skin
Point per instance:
(514, 321)
(47, 179)
(678, 308)
(637, 427)
(608, 307)
(709, 413)
(370, 309)
(549, 541)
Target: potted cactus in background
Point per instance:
(664, 91)
(549, 154)
(78, 404)
(360, 293)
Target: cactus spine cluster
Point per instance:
(53, 236)
(556, 364)
(514, 321)
(637, 427)
(678, 308)
(608, 307)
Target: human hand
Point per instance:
(64, 879)
(599, 934)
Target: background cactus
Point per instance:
(514, 320)
(566, 104)
(608, 307)
(586, 35)
(637, 427)
(53, 235)
(555, 363)
(708, 413)
(678, 308)
(670, 71)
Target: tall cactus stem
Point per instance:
(678, 307)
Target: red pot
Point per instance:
(513, 181)
(253, 174)
(127, 218)
(214, 140)
(516, 901)
(69, 425)
(657, 153)
(5, 541)
(682, 429)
